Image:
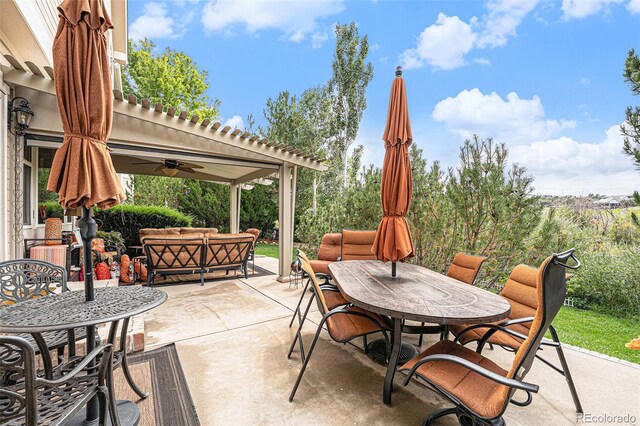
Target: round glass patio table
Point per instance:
(417, 294)
(69, 310)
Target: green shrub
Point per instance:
(112, 238)
(609, 281)
(128, 219)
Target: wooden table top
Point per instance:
(416, 293)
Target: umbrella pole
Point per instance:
(88, 228)
(393, 269)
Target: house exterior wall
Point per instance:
(27, 31)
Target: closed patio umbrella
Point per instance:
(82, 172)
(393, 240)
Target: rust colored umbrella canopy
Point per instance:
(393, 240)
(82, 172)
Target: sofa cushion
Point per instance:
(158, 231)
(198, 230)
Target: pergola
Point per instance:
(145, 131)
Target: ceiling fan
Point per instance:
(172, 167)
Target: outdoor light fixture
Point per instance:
(20, 115)
(170, 172)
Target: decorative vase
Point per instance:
(53, 231)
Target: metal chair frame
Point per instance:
(325, 316)
(28, 399)
(23, 279)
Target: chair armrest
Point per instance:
(516, 321)
(512, 383)
(493, 328)
(78, 368)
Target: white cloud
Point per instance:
(445, 44)
(510, 120)
(580, 9)
(235, 122)
(442, 45)
(566, 166)
(155, 23)
(502, 20)
(318, 38)
(296, 19)
(584, 81)
(634, 6)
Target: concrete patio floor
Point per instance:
(233, 336)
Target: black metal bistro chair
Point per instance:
(343, 323)
(27, 399)
(25, 279)
(479, 389)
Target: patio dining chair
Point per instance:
(25, 279)
(328, 252)
(520, 291)
(479, 389)
(464, 267)
(28, 399)
(343, 323)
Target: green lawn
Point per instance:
(270, 250)
(587, 329)
(598, 332)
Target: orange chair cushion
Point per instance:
(344, 327)
(465, 267)
(521, 293)
(320, 266)
(330, 247)
(333, 299)
(356, 245)
(480, 394)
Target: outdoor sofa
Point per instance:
(188, 251)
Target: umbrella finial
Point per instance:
(398, 71)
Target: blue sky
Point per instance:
(544, 77)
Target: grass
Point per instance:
(270, 250)
(598, 332)
(587, 329)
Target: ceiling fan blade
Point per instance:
(160, 167)
(145, 162)
(191, 166)
(186, 169)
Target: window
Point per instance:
(47, 201)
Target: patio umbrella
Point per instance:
(393, 239)
(82, 172)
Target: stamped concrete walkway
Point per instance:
(233, 336)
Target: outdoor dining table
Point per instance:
(416, 293)
(69, 310)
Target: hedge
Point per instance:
(128, 219)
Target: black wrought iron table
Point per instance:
(417, 294)
(69, 310)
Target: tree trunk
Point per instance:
(314, 204)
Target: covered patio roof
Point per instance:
(146, 132)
